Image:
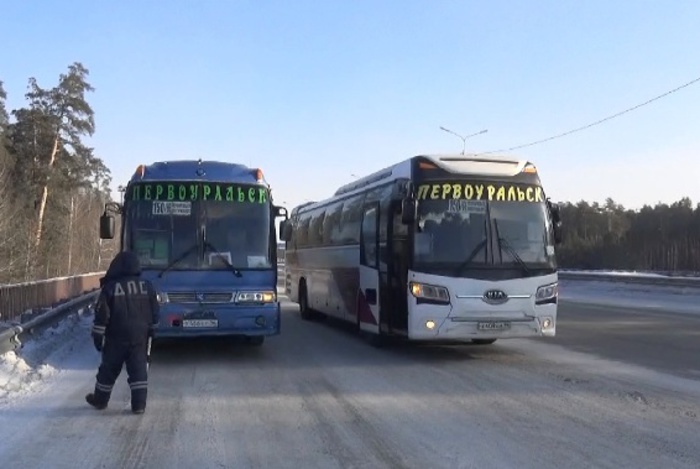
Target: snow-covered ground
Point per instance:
(622, 273)
(319, 397)
(672, 299)
(42, 359)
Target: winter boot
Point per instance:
(93, 401)
(138, 400)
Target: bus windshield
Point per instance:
(191, 233)
(483, 239)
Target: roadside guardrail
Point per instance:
(12, 338)
(28, 307)
(631, 278)
(19, 300)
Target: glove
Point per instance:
(97, 340)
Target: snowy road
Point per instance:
(317, 396)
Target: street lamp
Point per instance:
(464, 139)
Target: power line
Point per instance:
(592, 124)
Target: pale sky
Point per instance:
(314, 91)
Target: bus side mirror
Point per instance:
(554, 212)
(409, 210)
(280, 211)
(285, 231)
(558, 236)
(106, 226)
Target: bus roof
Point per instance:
(482, 165)
(198, 170)
(469, 164)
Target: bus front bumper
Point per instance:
(179, 321)
(495, 326)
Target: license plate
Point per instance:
(200, 323)
(493, 326)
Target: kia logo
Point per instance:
(495, 297)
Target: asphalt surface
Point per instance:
(319, 397)
(665, 341)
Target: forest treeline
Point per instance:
(52, 184)
(665, 237)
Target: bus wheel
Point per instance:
(375, 340)
(304, 309)
(483, 341)
(256, 340)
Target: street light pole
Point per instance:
(464, 139)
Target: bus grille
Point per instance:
(191, 297)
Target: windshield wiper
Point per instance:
(178, 259)
(481, 245)
(230, 266)
(503, 243)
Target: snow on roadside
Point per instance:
(27, 370)
(629, 273)
(668, 298)
(625, 273)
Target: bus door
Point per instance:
(392, 296)
(368, 296)
(397, 254)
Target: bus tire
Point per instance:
(376, 340)
(306, 313)
(256, 340)
(483, 341)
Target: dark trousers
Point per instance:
(114, 356)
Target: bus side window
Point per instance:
(369, 237)
(400, 229)
(316, 227)
(331, 226)
(351, 220)
(303, 233)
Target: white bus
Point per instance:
(434, 248)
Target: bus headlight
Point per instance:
(162, 297)
(430, 293)
(256, 297)
(547, 294)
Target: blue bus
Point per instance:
(205, 234)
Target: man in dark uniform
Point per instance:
(126, 313)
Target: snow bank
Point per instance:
(622, 273)
(668, 298)
(631, 273)
(27, 370)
